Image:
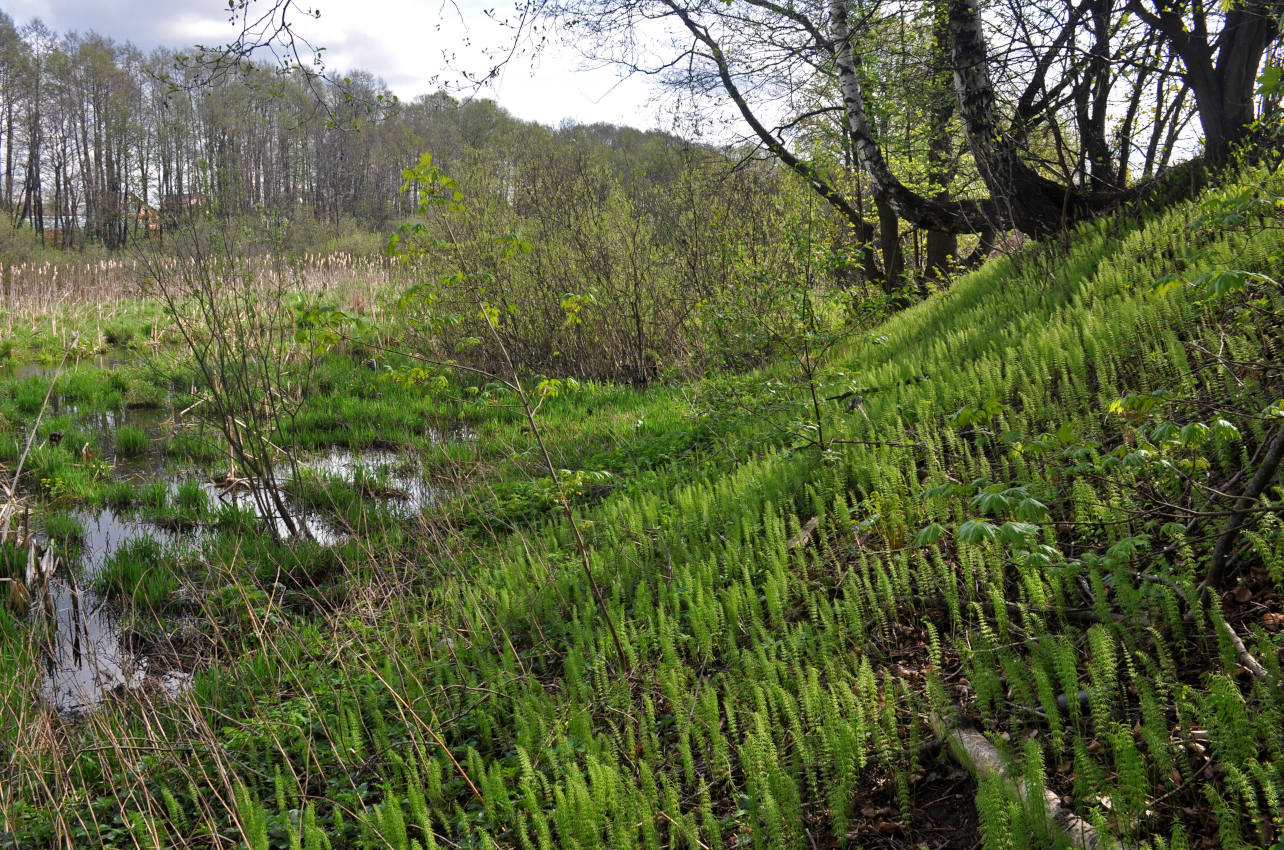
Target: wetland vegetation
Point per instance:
(1018, 543)
(634, 494)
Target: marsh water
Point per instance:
(88, 656)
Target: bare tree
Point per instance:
(1069, 64)
(229, 299)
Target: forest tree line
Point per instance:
(102, 144)
(917, 125)
(643, 247)
(100, 141)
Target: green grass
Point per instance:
(141, 572)
(789, 624)
(153, 496)
(29, 394)
(131, 441)
(191, 500)
(120, 495)
(63, 527)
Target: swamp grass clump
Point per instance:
(153, 497)
(10, 450)
(235, 520)
(15, 597)
(331, 495)
(61, 476)
(191, 501)
(13, 561)
(141, 572)
(29, 394)
(119, 332)
(143, 395)
(120, 494)
(196, 446)
(63, 528)
(131, 441)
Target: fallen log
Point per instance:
(983, 760)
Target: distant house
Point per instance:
(143, 215)
(176, 207)
(60, 229)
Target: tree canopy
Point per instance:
(1058, 103)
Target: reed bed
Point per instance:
(35, 290)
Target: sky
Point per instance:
(405, 42)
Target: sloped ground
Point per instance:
(1016, 541)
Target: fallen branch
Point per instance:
(1243, 656)
(804, 535)
(972, 750)
(1218, 569)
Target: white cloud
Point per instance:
(414, 45)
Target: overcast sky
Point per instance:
(402, 41)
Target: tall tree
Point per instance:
(1071, 54)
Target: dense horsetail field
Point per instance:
(1003, 530)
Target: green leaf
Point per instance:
(1271, 81)
(1194, 434)
(1226, 282)
(991, 503)
(1137, 404)
(1129, 546)
(929, 534)
(1015, 533)
(1012, 437)
(977, 531)
(1225, 430)
(1164, 285)
(1041, 556)
(1030, 510)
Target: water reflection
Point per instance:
(88, 657)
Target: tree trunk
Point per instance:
(954, 216)
(1223, 87)
(941, 245)
(889, 244)
(1033, 203)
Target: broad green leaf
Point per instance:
(977, 531)
(929, 534)
(1014, 533)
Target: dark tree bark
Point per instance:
(889, 243)
(942, 245)
(1220, 69)
(1034, 204)
(1094, 99)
